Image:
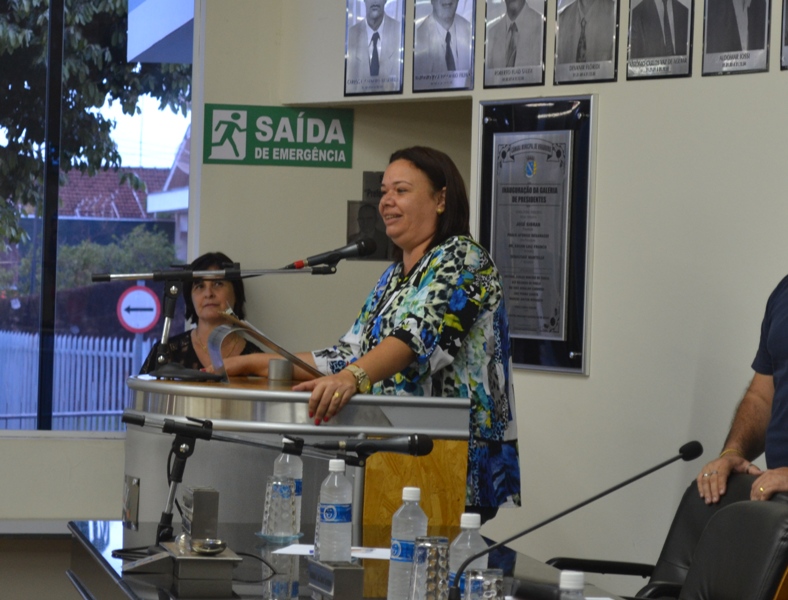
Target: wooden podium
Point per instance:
(441, 478)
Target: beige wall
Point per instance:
(59, 476)
(687, 242)
(688, 239)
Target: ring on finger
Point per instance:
(336, 395)
(760, 488)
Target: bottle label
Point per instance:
(402, 550)
(299, 483)
(477, 588)
(452, 577)
(335, 513)
(280, 589)
(282, 490)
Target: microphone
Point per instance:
(689, 451)
(417, 444)
(363, 247)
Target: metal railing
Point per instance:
(89, 388)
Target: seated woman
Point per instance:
(205, 300)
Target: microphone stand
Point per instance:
(214, 344)
(186, 437)
(183, 445)
(185, 274)
(296, 447)
(172, 289)
(685, 453)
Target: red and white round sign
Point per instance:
(138, 309)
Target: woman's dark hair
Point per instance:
(442, 172)
(214, 260)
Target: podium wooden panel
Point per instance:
(782, 589)
(441, 477)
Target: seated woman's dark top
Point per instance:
(182, 352)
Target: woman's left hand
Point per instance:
(329, 394)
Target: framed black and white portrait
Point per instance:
(443, 45)
(374, 46)
(514, 43)
(585, 40)
(660, 39)
(736, 36)
(365, 223)
(784, 38)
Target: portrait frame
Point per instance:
(784, 38)
(535, 218)
(527, 52)
(363, 57)
(431, 69)
(723, 52)
(649, 54)
(359, 212)
(370, 225)
(595, 59)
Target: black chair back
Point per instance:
(668, 575)
(742, 554)
(688, 524)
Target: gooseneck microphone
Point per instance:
(417, 444)
(689, 451)
(363, 247)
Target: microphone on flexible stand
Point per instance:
(689, 451)
(418, 444)
(230, 271)
(363, 247)
(290, 444)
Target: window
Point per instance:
(64, 354)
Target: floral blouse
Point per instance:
(450, 311)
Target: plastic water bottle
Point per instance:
(335, 510)
(408, 523)
(467, 543)
(571, 585)
(290, 465)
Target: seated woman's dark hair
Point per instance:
(442, 172)
(214, 260)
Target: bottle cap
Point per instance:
(470, 521)
(571, 580)
(411, 494)
(336, 464)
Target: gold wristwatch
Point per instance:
(363, 384)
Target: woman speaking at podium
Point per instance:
(205, 299)
(435, 324)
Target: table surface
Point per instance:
(95, 541)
